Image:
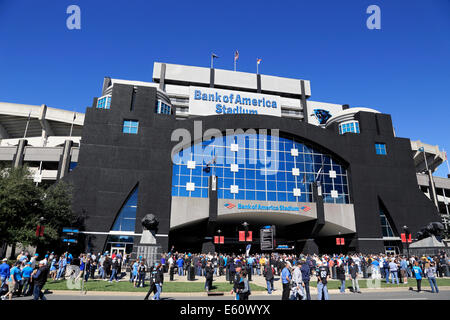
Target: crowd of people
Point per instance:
(28, 274)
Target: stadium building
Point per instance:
(214, 152)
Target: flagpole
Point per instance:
(446, 160)
(26, 127)
(71, 126)
(257, 64)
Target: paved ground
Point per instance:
(394, 293)
(378, 295)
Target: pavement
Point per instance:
(394, 292)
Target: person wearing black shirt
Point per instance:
(268, 274)
(39, 279)
(322, 281)
(141, 274)
(209, 272)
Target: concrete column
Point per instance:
(64, 163)
(20, 153)
(211, 77)
(432, 189)
(162, 78)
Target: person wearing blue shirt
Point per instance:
(180, 265)
(134, 273)
(375, 269)
(286, 280)
(4, 272)
(250, 264)
(15, 278)
(404, 270)
(62, 267)
(306, 272)
(418, 273)
(26, 276)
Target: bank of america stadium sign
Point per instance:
(211, 101)
(260, 207)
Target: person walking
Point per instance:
(404, 270)
(430, 272)
(418, 274)
(26, 280)
(322, 280)
(4, 273)
(353, 271)
(209, 273)
(286, 278)
(114, 270)
(306, 276)
(268, 275)
(393, 270)
(340, 274)
(159, 279)
(141, 274)
(39, 279)
(15, 279)
(244, 286)
(297, 292)
(134, 273)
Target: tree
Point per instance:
(24, 206)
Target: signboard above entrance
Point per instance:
(211, 101)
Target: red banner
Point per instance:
(338, 241)
(221, 239)
(216, 239)
(249, 236)
(342, 241)
(38, 231)
(241, 235)
(409, 238)
(42, 231)
(403, 236)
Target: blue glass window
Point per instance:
(352, 126)
(126, 219)
(104, 102)
(130, 126)
(162, 108)
(264, 171)
(380, 148)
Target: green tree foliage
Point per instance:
(24, 206)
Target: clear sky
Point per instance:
(402, 69)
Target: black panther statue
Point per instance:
(431, 229)
(150, 222)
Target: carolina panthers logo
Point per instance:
(322, 115)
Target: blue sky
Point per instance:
(402, 69)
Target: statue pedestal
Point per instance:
(148, 249)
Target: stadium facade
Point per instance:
(206, 150)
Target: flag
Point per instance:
(214, 55)
(236, 55)
(421, 149)
(74, 116)
(258, 61)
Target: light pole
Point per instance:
(340, 243)
(245, 224)
(218, 243)
(405, 228)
